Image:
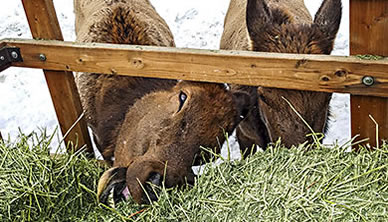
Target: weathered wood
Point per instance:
(44, 25)
(369, 35)
(292, 71)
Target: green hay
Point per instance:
(35, 186)
(370, 57)
(277, 185)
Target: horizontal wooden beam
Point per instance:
(291, 71)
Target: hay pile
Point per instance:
(35, 186)
(277, 185)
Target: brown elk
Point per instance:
(282, 26)
(154, 128)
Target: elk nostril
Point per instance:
(119, 193)
(155, 178)
(152, 187)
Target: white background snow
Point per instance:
(25, 102)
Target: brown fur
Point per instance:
(283, 27)
(145, 122)
(106, 98)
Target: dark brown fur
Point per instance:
(283, 27)
(144, 122)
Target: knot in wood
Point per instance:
(137, 63)
(325, 78)
(341, 73)
(230, 72)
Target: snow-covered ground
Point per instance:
(25, 100)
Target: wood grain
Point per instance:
(44, 25)
(292, 71)
(369, 35)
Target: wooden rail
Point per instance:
(369, 35)
(44, 24)
(291, 71)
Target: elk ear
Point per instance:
(257, 16)
(328, 18)
(243, 103)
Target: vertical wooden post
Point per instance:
(369, 35)
(44, 25)
(1, 138)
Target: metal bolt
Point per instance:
(14, 55)
(368, 80)
(2, 58)
(42, 57)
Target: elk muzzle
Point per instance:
(138, 180)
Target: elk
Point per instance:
(281, 26)
(152, 127)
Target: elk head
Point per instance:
(161, 137)
(273, 30)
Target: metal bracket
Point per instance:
(9, 55)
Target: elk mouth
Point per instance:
(142, 180)
(113, 183)
(112, 187)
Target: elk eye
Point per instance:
(182, 99)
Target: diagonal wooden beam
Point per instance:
(291, 71)
(44, 25)
(368, 35)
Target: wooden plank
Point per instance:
(292, 71)
(44, 25)
(369, 35)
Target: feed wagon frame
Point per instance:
(365, 80)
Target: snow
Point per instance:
(26, 103)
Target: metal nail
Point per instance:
(42, 57)
(368, 80)
(14, 55)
